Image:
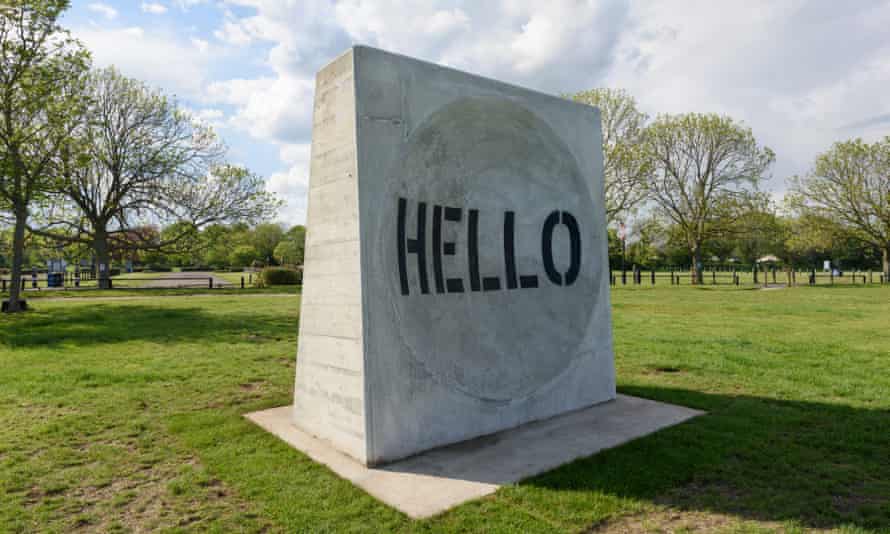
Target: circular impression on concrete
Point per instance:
(490, 342)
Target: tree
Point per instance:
(624, 164)
(849, 186)
(147, 162)
(41, 67)
(705, 167)
(243, 255)
(291, 249)
(266, 237)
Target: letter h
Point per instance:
(412, 246)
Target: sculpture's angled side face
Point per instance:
(495, 301)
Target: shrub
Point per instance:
(278, 276)
(157, 268)
(195, 268)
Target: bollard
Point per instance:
(109, 283)
(623, 277)
(672, 277)
(713, 277)
(653, 276)
(210, 282)
(242, 282)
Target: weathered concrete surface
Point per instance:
(456, 278)
(329, 398)
(436, 480)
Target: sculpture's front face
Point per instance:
(487, 244)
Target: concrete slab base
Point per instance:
(436, 480)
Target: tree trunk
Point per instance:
(887, 262)
(103, 260)
(18, 257)
(696, 271)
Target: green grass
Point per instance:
(126, 415)
(130, 291)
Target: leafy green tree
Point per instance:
(265, 238)
(243, 256)
(849, 187)
(215, 246)
(41, 67)
(624, 163)
(291, 249)
(148, 161)
(705, 170)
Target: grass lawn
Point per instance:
(126, 415)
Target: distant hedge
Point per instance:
(196, 268)
(279, 276)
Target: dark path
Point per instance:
(191, 279)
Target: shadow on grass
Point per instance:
(813, 465)
(818, 465)
(104, 323)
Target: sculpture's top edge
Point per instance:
(360, 47)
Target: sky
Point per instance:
(801, 74)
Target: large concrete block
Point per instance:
(456, 274)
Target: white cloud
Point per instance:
(768, 64)
(233, 33)
(154, 8)
(157, 57)
(103, 9)
(274, 109)
(200, 44)
(765, 63)
(293, 184)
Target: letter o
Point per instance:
(569, 221)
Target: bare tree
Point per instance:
(145, 163)
(849, 187)
(41, 67)
(624, 163)
(706, 168)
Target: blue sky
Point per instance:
(802, 74)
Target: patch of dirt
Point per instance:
(664, 369)
(252, 386)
